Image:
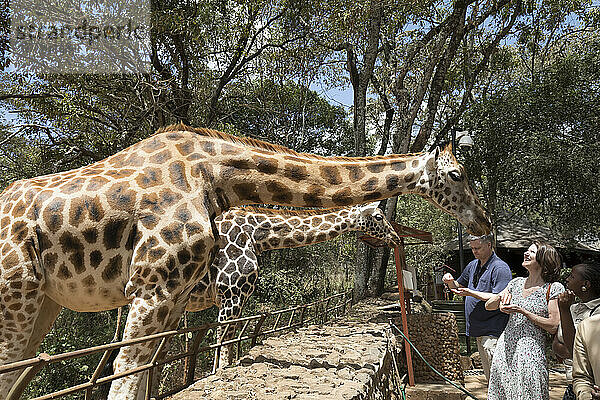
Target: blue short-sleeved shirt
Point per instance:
(494, 277)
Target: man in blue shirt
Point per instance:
(481, 279)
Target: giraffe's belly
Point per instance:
(83, 300)
(95, 285)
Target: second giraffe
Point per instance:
(247, 231)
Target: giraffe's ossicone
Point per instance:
(139, 227)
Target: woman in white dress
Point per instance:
(519, 368)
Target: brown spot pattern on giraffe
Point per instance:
(296, 173)
(71, 244)
(185, 148)
(355, 173)
(113, 233)
(280, 192)
(149, 177)
(265, 165)
(178, 176)
(246, 191)
(121, 197)
(331, 174)
(113, 269)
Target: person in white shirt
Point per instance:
(583, 282)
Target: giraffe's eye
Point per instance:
(454, 175)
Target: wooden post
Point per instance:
(399, 278)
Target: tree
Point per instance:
(536, 144)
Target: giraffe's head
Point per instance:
(372, 221)
(446, 185)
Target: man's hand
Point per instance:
(565, 299)
(447, 278)
(462, 291)
(596, 392)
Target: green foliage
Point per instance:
(537, 144)
(289, 277)
(287, 114)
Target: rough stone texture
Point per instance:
(347, 359)
(436, 337)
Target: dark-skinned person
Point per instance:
(584, 283)
(481, 279)
(519, 368)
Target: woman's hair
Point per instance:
(591, 272)
(550, 261)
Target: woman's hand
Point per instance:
(565, 299)
(508, 308)
(511, 309)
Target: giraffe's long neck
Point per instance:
(226, 171)
(278, 229)
(245, 175)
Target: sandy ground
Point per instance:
(477, 385)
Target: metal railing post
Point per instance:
(257, 329)
(26, 376)
(191, 361)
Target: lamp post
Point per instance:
(464, 142)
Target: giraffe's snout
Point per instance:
(482, 225)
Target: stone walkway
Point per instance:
(342, 360)
(337, 361)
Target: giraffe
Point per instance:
(139, 228)
(246, 232)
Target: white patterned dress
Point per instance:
(519, 368)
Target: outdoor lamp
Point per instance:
(465, 141)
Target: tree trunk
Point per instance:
(360, 82)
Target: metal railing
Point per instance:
(252, 329)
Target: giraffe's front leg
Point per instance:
(160, 292)
(148, 314)
(234, 290)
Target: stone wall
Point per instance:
(436, 337)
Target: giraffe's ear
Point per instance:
(448, 148)
(369, 208)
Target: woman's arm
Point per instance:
(549, 324)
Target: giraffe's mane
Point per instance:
(259, 144)
(287, 212)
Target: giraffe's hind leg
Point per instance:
(43, 323)
(21, 305)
